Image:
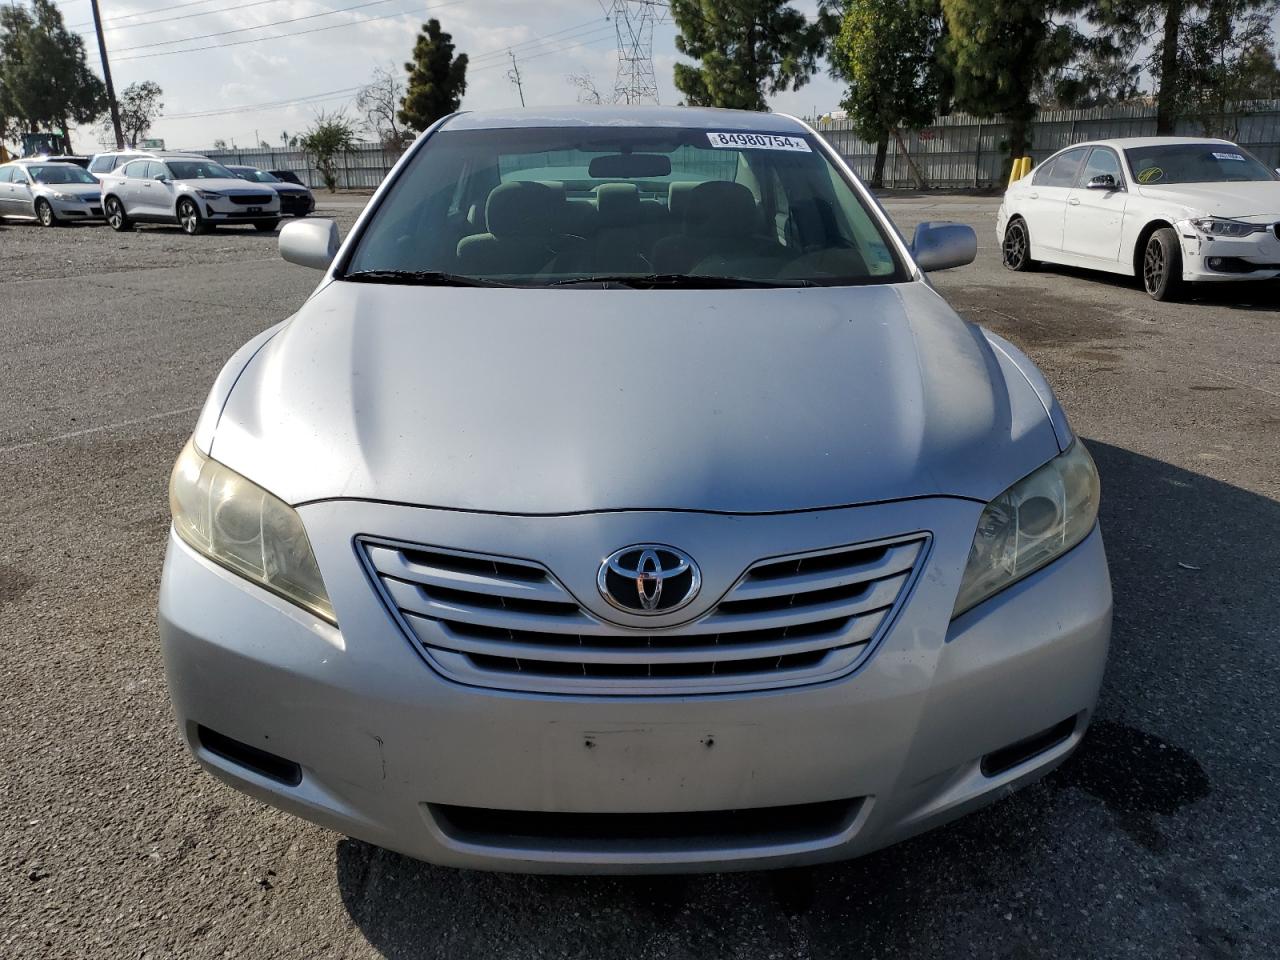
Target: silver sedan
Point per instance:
(624, 498)
(51, 192)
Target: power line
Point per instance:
(598, 30)
(260, 26)
(146, 13)
(188, 16)
(292, 33)
(548, 53)
(270, 105)
(502, 51)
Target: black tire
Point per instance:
(1015, 251)
(1161, 265)
(45, 214)
(116, 218)
(189, 218)
(263, 226)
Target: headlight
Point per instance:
(1039, 518)
(209, 194)
(59, 195)
(239, 525)
(1220, 227)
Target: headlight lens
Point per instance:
(1219, 227)
(239, 525)
(209, 194)
(1037, 519)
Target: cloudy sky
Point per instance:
(211, 60)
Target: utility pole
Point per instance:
(106, 76)
(513, 74)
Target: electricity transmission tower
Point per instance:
(633, 20)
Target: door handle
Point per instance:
(1034, 196)
(1074, 202)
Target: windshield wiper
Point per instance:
(421, 278)
(683, 281)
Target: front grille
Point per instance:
(295, 203)
(250, 199)
(510, 624)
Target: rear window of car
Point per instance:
(534, 206)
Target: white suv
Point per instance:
(192, 191)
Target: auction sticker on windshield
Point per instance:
(758, 141)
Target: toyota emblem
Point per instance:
(649, 579)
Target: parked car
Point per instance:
(295, 200)
(569, 528)
(78, 160)
(52, 193)
(101, 164)
(288, 176)
(1166, 210)
(192, 191)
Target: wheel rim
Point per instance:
(1153, 266)
(1015, 245)
(114, 215)
(45, 213)
(190, 219)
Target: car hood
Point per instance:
(224, 185)
(285, 187)
(560, 401)
(1255, 198)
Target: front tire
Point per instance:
(189, 218)
(1016, 249)
(1162, 265)
(265, 226)
(45, 214)
(116, 217)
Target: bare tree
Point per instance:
(588, 92)
(379, 103)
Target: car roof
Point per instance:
(1125, 143)
(44, 161)
(580, 115)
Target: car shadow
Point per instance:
(1239, 294)
(1193, 564)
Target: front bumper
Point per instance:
(1221, 260)
(76, 209)
(386, 747)
(223, 210)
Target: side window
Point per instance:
(6, 174)
(1043, 173)
(18, 175)
(1065, 169)
(103, 164)
(156, 169)
(1101, 161)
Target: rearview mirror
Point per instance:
(632, 166)
(310, 243)
(1103, 181)
(942, 245)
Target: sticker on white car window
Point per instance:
(758, 141)
(1228, 156)
(1150, 175)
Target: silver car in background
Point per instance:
(51, 192)
(193, 191)
(624, 499)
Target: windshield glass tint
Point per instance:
(1195, 163)
(535, 206)
(198, 170)
(58, 173)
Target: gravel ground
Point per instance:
(1160, 838)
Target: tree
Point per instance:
(745, 50)
(1177, 26)
(1103, 73)
(44, 78)
(1224, 58)
(437, 79)
(140, 106)
(588, 92)
(329, 136)
(379, 102)
(1001, 51)
(886, 49)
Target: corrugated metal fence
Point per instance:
(965, 151)
(956, 151)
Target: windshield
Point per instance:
(60, 173)
(558, 205)
(1195, 163)
(257, 176)
(199, 170)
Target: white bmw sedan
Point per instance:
(1167, 210)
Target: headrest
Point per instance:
(678, 198)
(521, 208)
(723, 209)
(618, 204)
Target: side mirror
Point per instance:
(161, 178)
(1103, 181)
(941, 246)
(310, 243)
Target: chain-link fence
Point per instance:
(955, 151)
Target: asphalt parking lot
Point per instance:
(1160, 838)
